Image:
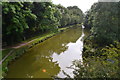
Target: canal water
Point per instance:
(53, 57)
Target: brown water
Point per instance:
(51, 57)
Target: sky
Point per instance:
(84, 5)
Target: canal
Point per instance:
(50, 58)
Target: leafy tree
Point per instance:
(14, 21)
(22, 20)
(103, 18)
(70, 15)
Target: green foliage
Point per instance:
(102, 18)
(102, 47)
(47, 16)
(23, 20)
(103, 66)
(70, 15)
(14, 21)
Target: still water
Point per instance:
(51, 57)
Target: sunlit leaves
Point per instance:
(103, 19)
(102, 60)
(25, 19)
(102, 63)
(14, 19)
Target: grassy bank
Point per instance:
(20, 51)
(17, 52)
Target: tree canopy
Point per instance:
(22, 20)
(102, 18)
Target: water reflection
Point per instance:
(49, 57)
(65, 59)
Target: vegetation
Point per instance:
(102, 63)
(70, 15)
(102, 46)
(102, 18)
(22, 20)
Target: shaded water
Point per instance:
(51, 57)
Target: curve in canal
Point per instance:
(51, 57)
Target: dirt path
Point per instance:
(22, 44)
(6, 57)
(15, 47)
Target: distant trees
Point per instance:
(102, 18)
(22, 20)
(70, 15)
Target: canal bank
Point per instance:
(45, 54)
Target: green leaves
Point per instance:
(100, 66)
(5, 10)
(103, 19)
(14, 20)
(101, 50)
(70, 15)
(21, 19)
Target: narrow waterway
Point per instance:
(51, 57)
